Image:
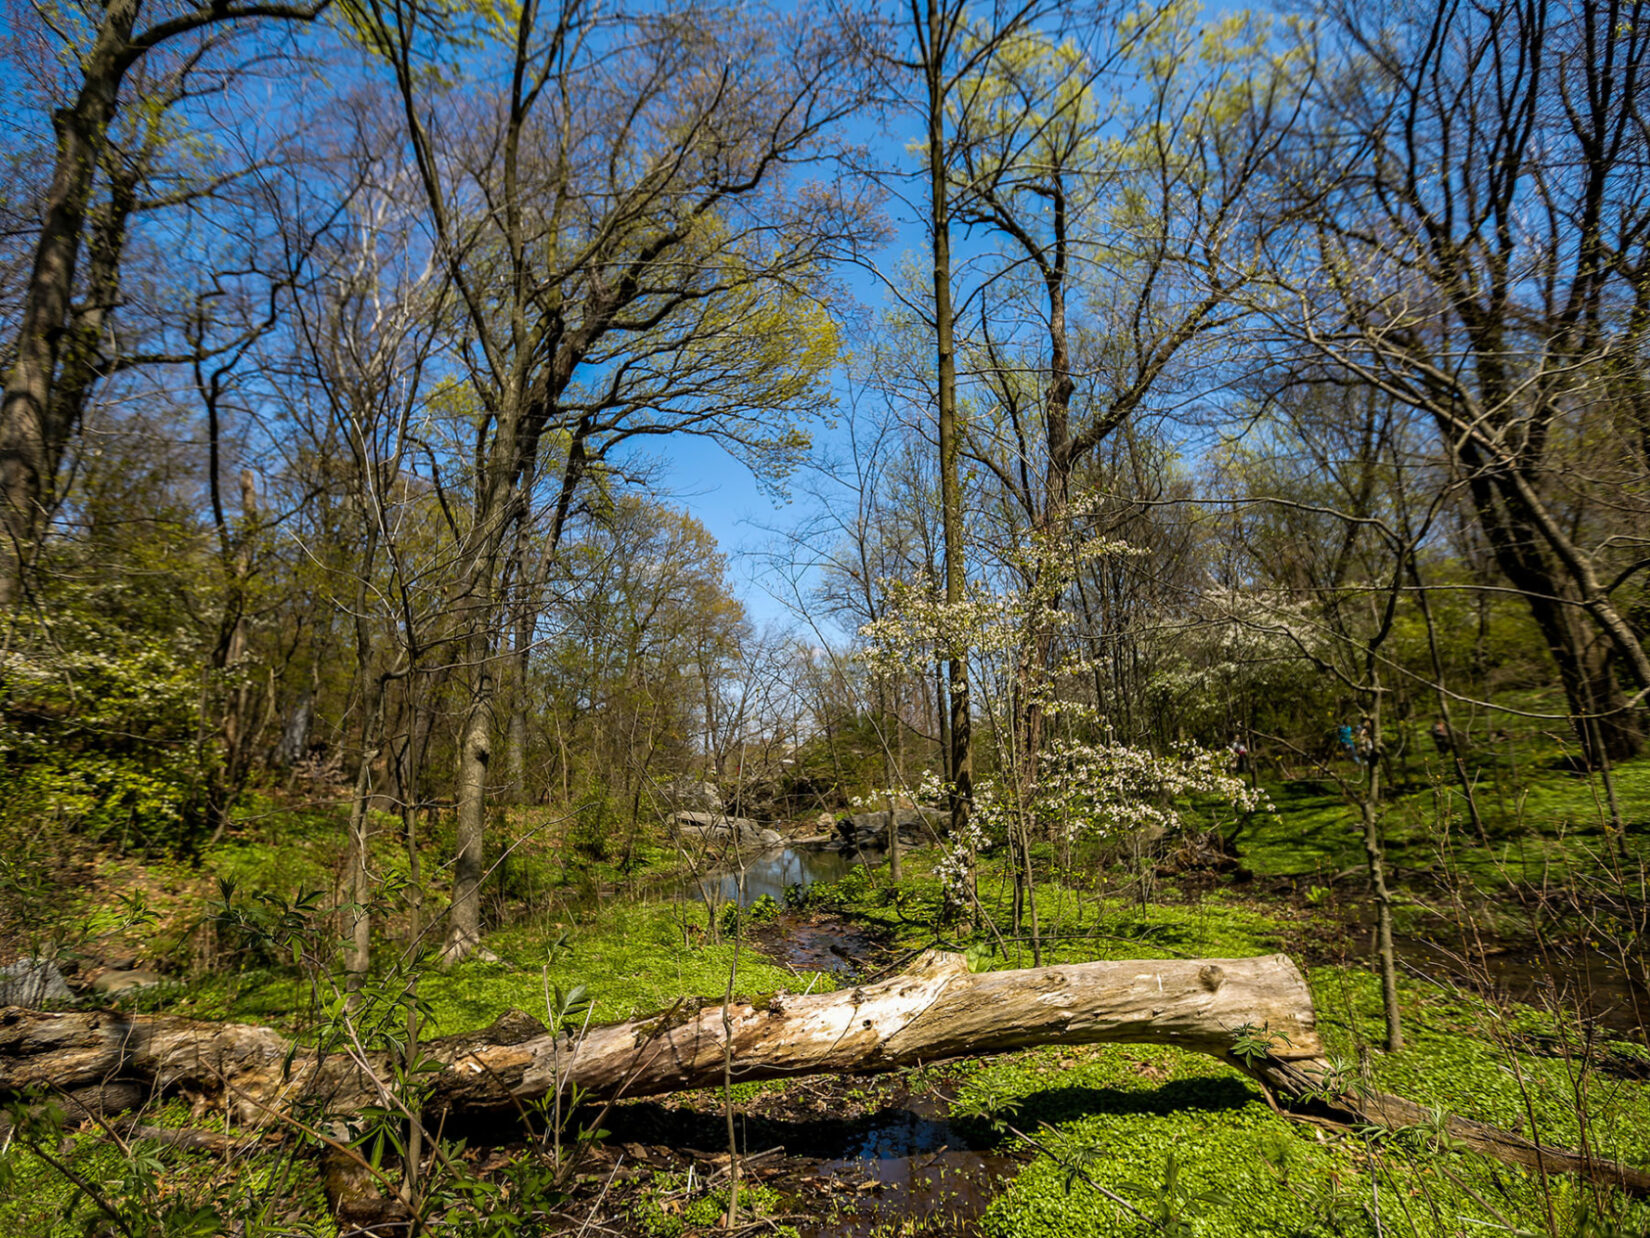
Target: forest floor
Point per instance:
(1520, 1003)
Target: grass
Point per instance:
(1547, 825)
(1121, 1114)
(1181, 1137)
(633, 957)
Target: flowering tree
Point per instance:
(1081, 784)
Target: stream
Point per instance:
(770, 873)
(903, 1162)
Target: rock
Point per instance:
(703, 822)
(716, 828)
(693, 797)
(32, 982)
(114, 983)
(869, 830)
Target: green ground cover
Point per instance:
(1541, 816)
(1122, 1112)
(1179, 1137)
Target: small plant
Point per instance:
(1174, 1205)
(1338, 1080)
(674, 1203)
(1254, 1044)
(991, 1101)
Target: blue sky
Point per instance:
(723, 495)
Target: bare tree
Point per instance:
(612, 211)
(1470, 234)
(36, 421)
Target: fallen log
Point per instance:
(1253, 1013)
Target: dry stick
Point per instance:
(1443, 703)
(1081, 1173)
(603, 1194)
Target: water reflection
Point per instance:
(771, 873)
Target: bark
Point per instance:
(935, 1010)
(31, 446)
(358, 861)
(474, 757)
(961, 761)
(1606, 728)
(1385, 955)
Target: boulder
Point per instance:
(685, 795)
(32, 982)
(699, 822)
(716, 828)
(870, 829)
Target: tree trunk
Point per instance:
(1386, 958)
(474, 757)
(961, 762)
(1584, 656)
(936, 1010)
(31, 446)
(358, 861)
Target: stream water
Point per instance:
(910, 1162)
(770, 873)
(904, 1162)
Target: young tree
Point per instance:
(1116, 169)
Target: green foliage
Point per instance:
(845, 892)
(639, 951)
(592, 831)
(672, 1205)
(1254, 1044)
(57, 1182)
(1195, 1147)
(732, 917)
(1172, 1205)
(100, 730)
